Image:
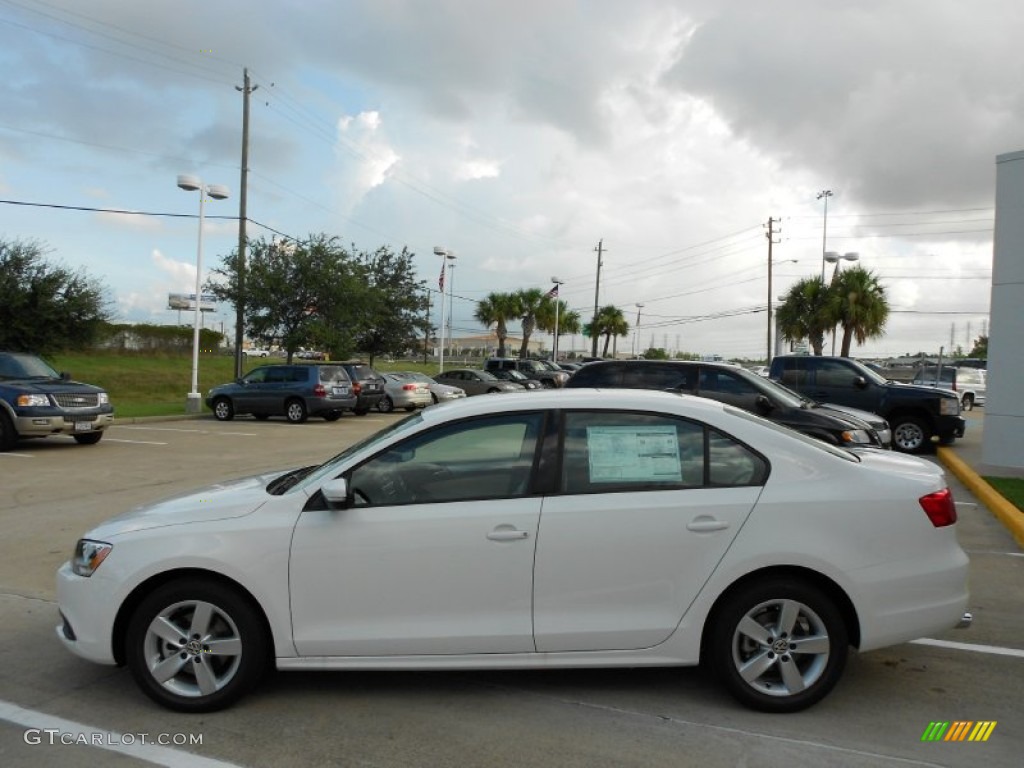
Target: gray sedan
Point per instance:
(439, 393)
(477, 382)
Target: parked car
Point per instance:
(476, 382)
(919, 416)
(401, 391)
(970, 362)
(966, 383)
(737, 386)
(36, 401)
(255, 352)
(510, 374)
(570, 368)
(675, 531)
(535, 369)
(309, 354)
(760, 370)
(367, 383)
(439, 393)
(293, 391)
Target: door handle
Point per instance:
(507, 534)
(706, 525)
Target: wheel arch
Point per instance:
(797, 573)
(137, 595)
(912, 412)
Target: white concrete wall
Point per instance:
(1003, 442)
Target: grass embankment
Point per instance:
(152, 384)
(1010, 488)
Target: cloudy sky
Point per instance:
(520, 135)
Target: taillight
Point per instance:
(319, 391)
(939, 507)
(356, 387)
(408, 387)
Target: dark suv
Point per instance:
(743, 389)
(36, 401)
(368, 385)
(919, 415)
(550, 377)
(293, 391)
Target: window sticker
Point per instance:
(633, 454)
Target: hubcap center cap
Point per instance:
(193, 647)
(780, 646)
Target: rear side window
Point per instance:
(597, 376)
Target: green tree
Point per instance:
(805, 313)
(308, 294)
(497, 309)
(46, 308)
(857, 302)
(609, 322)
(396, 310)
(568, 319)
(529, 302)
(980, 348)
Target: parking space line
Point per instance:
(992, 650)
(134, 442)
(18, 455)
(194, 431)
(114, 741)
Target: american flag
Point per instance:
(553, 293)
(440, 280)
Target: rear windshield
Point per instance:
(330, 373)
(363, 372)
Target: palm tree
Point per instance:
(805, 313)
(497, 309)
(857, 302)
(530, 302)
(609, 322)
(568, 319)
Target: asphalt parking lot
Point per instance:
(54, 490)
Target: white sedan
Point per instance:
(565, 528)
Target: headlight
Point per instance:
(89, 555)
(949, 406)
(103, 398)
(857, 436)
(33, 400)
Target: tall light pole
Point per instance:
(636, 331)
(833, 258)
(825, 194)
(194, 403)
(443, 253)
(554, 292)
(451, 297)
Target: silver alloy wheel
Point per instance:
(909, 435)
(192, 648)
(295, 411)
(222, 409)
(781, 647)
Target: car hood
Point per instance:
(867, 417)
(51, 386)
(215, 502)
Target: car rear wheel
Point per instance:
(196, 646)
(387, 405)
(295, 411)
(361, 411)
(909, 434)
(223, 410)
(89, 438)
(332, 415)
(968, 402)
(779, 646)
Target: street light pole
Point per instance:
(554, 347)
(443, 253)
(824, 194)
(451, 298)
(833, 258)
(193, 403)
(636, 332)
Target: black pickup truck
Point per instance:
(918, 416)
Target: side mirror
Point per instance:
(860, 382)
(763, 405)
(335, 493)
(65, 376)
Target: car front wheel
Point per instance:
(223, 410)
(909, 434)
(968, 402)
(196, 646)
(779, 646)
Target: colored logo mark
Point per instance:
(959, 730)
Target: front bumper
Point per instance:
(88, 612)
(33, 425)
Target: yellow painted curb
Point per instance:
(1007, 513)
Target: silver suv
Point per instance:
(550, 377)
(968, 384)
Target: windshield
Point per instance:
(25, 367)
(329, 468)
(868, 374)
(782, 395)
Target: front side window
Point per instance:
(485, 458)
(259, 376)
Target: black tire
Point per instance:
(261, 416)
(434, 398)
(910, 434)
(233, 623)
(386, 405)
(223, 410)
(778, 655)
(8, 437)
(968, 402)
(89, 438)
(332, 415)
(361, 411)
(295, 411)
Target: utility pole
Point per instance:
(770, 234)
(246, 90)
(597, 293)
(426, 330)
